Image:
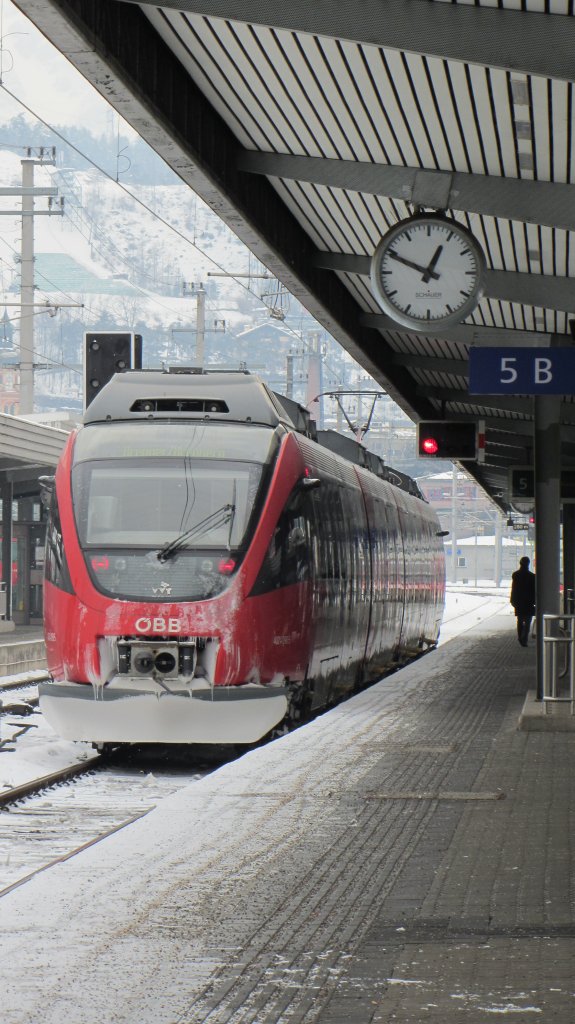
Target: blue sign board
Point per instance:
(521, 371)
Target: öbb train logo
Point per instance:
(158, 625)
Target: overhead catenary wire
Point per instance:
(136, 199)
(123, 187)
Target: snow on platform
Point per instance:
(250, 891)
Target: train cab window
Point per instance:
(55, 566)
(170, 517)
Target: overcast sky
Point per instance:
(34, 71)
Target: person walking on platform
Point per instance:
(523, 599)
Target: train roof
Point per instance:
(155, 394)
(224, 396)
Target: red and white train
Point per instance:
(213, 569)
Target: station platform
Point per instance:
(21, 650)
(407, 857)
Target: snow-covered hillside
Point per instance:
(127, 258)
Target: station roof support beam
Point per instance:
(527, 289)
(502, 402)
(530, 43)
(540, 202)
(467, 334)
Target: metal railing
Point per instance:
(559, 659)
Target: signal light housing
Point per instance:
(107, 353)
(447, 439)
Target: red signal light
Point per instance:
(429, 445)
(447, 439)
(226, 566)
(100, 563)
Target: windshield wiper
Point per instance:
(216, 519)
(232, 517)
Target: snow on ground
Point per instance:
(41, 752)
(137, 928)
(466, 606)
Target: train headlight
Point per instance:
(152, 658)
(143, 663)
(165, 663)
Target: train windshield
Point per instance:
(177, 498)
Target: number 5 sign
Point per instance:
(521, 371)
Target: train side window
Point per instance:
(288, 557)
(333, 532)
(56, 565)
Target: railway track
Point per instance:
(52, 818)
(19, 695)
(47, 816)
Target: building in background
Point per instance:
(477, 558)
(487, 545)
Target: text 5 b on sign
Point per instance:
(521, 371)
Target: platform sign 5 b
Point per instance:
(521, 371)
(522, 486)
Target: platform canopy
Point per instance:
(311, 128)
(28, 450)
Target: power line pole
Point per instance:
(289, 374)
(28, 192)
(199, 292)
(200, 325)
(313, 390)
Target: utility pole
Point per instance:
(498, 547)
(43, 155)
(200, 324)
(27, 292)
(289, 374)
(313, 391)
(219, 325)
(339, 414)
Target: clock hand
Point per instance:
(414, 266)
(432, 265)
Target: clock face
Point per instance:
(428, 272)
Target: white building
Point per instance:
(478, 558)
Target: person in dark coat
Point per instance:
(523, 599)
